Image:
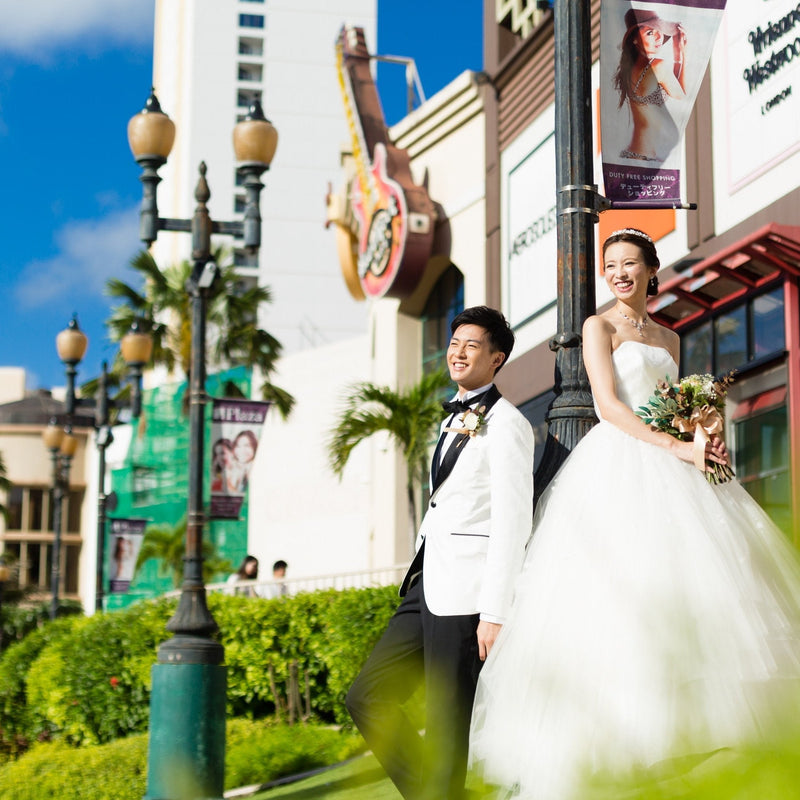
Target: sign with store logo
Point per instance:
(531, 244)
(762, 86)
(384, 221)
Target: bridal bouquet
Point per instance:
(692, 410)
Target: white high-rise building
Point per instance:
(211, 59)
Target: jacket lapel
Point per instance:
(440, 472)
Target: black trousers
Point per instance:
(418, 646)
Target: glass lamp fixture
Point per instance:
(151, 133)
(71, 343)
(53, 435)
(255, 138)
(136, 346)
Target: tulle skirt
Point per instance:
(656, 617)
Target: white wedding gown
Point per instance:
(656, 616)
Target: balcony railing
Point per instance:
(359, 579)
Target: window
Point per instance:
(28, 538)
(445, 301)
(246, 97)
(762, 461)
(241, 258)
(751, 331)
(251, 20)
(251, 72)
(535, 411)
(250, 46)
(769, 332)
(698, 350)
(731, 336)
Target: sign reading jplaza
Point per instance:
(531, 245)
(762, 50)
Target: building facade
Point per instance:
(27, 535)
(210, 62)
(729, 278)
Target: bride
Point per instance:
(657, 617)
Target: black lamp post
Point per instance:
(187, 704)
(62, 446)
(136, 348)
(571, 414)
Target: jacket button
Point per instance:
(433, 504)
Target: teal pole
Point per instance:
(186, 752)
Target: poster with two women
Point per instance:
(653, 56)
(235, 431)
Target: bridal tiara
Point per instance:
(632, 232)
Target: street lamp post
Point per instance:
(5, 574)
(571, 414)
(62, 446)
(136, 348)
(187, 702)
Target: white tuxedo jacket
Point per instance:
(479, 520)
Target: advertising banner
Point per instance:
(126, 542)
(235, 431)
(653, 56)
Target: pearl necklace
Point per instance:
(640, 326)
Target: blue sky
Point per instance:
(71, 75)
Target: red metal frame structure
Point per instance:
(768, 256)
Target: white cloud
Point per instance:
(90, 252)
(34, 29)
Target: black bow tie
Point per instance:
(458, 406)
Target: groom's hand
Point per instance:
(487, 633)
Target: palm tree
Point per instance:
(5, 485)
(166, 543)
(410, 417)
(163, 306)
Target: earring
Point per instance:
(652, 286)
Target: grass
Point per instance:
(360, 778)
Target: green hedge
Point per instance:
(87, 680)
(17, 621)
(19, 725)
(256, 752)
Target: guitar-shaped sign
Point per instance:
(392, 217)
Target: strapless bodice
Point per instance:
(637, 369)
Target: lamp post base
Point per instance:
(186, 752)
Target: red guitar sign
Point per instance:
(393, 218)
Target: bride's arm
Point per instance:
(597, 347)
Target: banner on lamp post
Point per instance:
(235, 431)
(126, 542)
(653, 56)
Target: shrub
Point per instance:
(327, 633)
(17, 621)
(256, 752)
(88, 679)
(18, 727)
(93, 686)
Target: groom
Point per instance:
(457, 591)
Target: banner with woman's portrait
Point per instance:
(126, 537)
(235, 431)
(653, 56)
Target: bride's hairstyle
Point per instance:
(645, 244)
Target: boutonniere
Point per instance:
(471, 421)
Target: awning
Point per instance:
(764, 401)
(754, 262)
